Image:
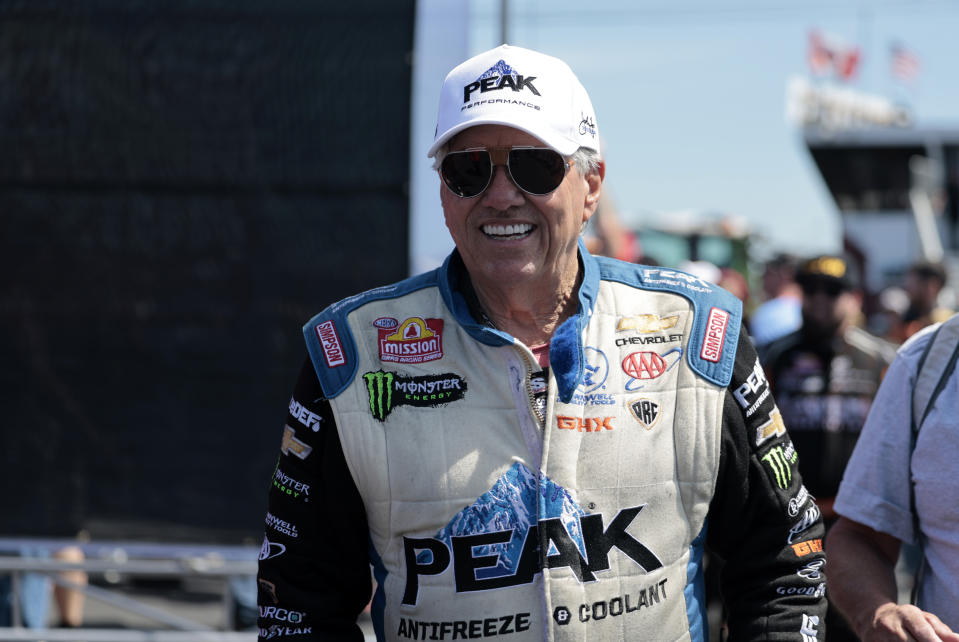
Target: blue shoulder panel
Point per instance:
(329, 339)
(717, 314)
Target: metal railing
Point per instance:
(128, 559)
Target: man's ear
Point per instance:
(594, 182)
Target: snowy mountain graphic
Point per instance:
(511, 505)
(499, 69)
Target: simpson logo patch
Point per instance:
(332, 349)
(415, 340)
(715, 335)
(389, 390)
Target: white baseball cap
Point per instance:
(519, 88)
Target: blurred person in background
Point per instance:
(781, 310)
(924, 283)
(824, 376)
(36, 589)
(899, 489)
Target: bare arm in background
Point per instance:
(862, 583)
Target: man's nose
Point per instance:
(502, 192)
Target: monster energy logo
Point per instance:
(389, 390)
(780, 461)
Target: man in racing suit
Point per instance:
(530, 441)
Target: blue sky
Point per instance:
(690, 95)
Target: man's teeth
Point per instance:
(507, 230)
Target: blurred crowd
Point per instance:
(825, 344)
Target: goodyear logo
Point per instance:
(388, 390)
(415, 340)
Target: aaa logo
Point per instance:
(648, 365)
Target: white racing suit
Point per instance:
(484, 515)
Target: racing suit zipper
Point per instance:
(531, 398)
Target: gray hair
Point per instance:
(585, 159)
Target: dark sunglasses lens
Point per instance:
(537, 171)
(467, 173)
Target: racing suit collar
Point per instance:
(566, 346)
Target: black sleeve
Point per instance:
(314, 569)
(762, 521)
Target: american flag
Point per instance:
(904, 64)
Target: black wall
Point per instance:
(182, 186)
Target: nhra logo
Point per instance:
(499, 76)
(388, 390)
(414, 341)
(645, 411)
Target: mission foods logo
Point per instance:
(500, 76)
(414, 341)
(332, 349)
(389, 390)
(715, 335)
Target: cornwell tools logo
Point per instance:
(500, 76)
(389, 390)
(414, 341)
(780, 461)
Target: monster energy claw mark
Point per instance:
(779, 462)
(380, 386)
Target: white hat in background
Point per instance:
(519, 88)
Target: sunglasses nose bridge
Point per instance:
(498, 155)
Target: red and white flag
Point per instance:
(829, 54)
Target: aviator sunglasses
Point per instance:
(535, 170)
